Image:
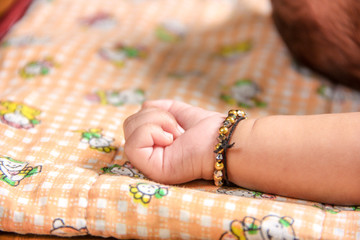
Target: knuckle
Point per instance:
(147, 104)
(146, 126)
(130, 119)
(126, 122)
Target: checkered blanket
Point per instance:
(72, 71)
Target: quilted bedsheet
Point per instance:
(72, 71)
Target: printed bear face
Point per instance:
(99, 142)
(122, 171)
(274, 227)
(147, 189)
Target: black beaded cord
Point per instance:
(229, 125)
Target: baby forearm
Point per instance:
(312, 157)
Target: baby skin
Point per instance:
(313, 157)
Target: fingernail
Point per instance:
(168, 135)
(181, 130)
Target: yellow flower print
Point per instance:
(143, 192)
(106, 149)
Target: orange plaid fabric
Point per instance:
(72, 71)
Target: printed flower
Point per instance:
(119, 54)
(97, 141)
(37, 68)
(143, 192)
(234, 51)
(171, 31)
(117, 98)
(243, 93)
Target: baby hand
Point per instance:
(172, 142)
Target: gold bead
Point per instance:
(241, 113)
(232, 112)
(230, 119)
(219, 166)
(223, 130)
(217, 146)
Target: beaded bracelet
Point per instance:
(225, 131)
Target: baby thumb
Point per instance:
(144, 148)
(146, 137)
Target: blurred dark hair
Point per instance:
(323, 35)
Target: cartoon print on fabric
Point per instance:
(99, 20)
(117, 98)
(120, 53)
(327, 208)
(244, 193)
(19, 115)
(96, 140)
(325, 91)
(336, 94)
(233, 52)
(185, 74)
(143, 192)
(333, 209)
(242, 230)
(171, 31)
(37, 68)
(242, 93)
(125, 170)
(270, 227)
(25, 40)
(60, 229)
(13, 171)
(348, 208)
